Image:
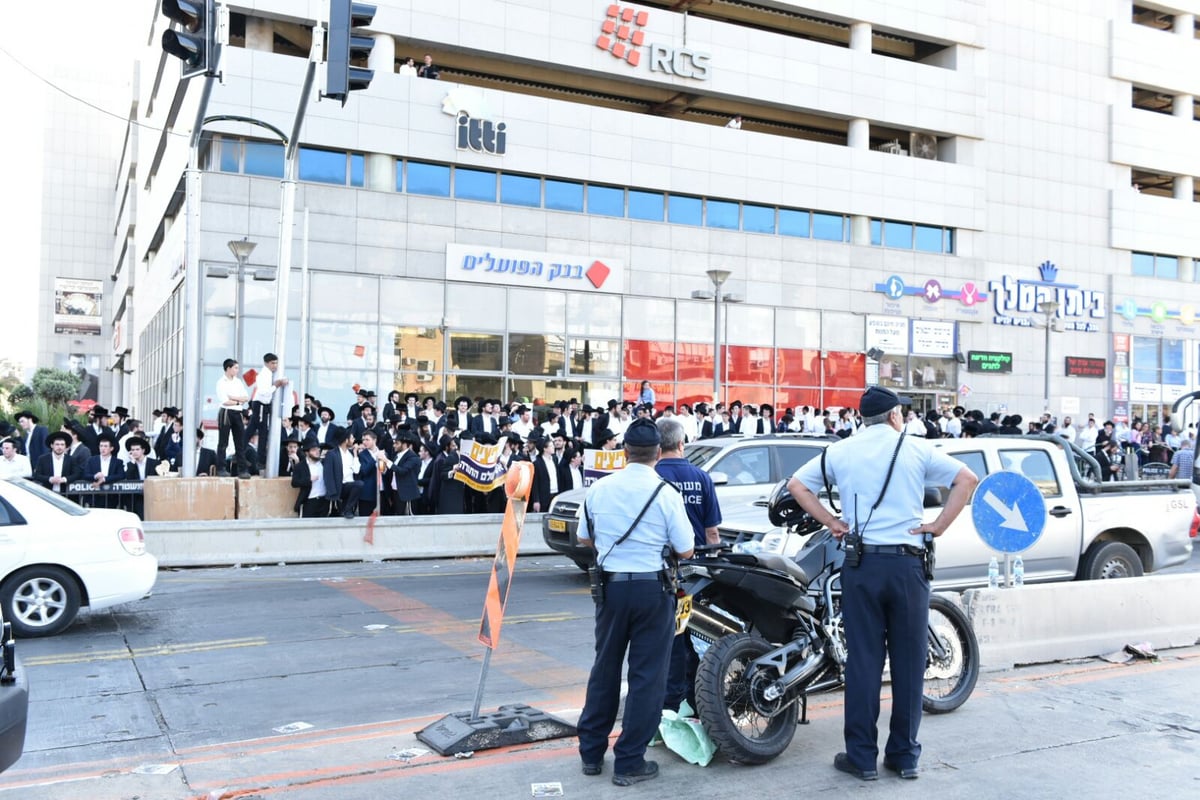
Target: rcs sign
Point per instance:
(679, 61)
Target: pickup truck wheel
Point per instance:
(1113, 560)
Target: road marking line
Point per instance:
(122, 654)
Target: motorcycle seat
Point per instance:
(782, 564)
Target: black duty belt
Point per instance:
(894, 549)
(630, 576)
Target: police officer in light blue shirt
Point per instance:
(636, 613)
(885, 599)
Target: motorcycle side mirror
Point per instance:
(719, 478)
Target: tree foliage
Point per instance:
(55, 386)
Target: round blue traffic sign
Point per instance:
(1008, 511)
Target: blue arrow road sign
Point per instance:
(1008, 511)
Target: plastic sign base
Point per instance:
(508, 725)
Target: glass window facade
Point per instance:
(520, 190)
(431, 179)
(474, 184)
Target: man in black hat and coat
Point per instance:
(56, 469)
(341, 465)
(34, 436)
(309, 478)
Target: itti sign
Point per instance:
(1080, 367)
(986, 361)
(1018, 301)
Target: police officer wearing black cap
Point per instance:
(881, 476)
(630, 517)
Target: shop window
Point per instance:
(476, 352)
(342, 345)
(520, 190)
(322, 166)
(417, 349)
(795, 223)
(694, 362)
(693, 393)
(534, 354)
(431, 179)
(652, 361)
(830, 227)
(758, 219)
(845, 370)
(754, 365)
(608, 201)
(722, 214)
(595, 356)
(796, 398)
(898, 234)
(683, 210)
(798, 367)
(265, 158)
(929, 239)
(564, 195)
(646, 205)
(474, 184)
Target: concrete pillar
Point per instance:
(1184, 187)
(859, 134)
(860, 36)
(383, 55)
(380, 172)
(260, 34)
(1187, 269)
(860, 229)
(1183, 105)
(1185, 25)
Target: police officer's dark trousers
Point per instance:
(681, 674)
(885, 607)
(638, 616)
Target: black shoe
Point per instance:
(348, 516)
(244, 475)
(649, 770)
(223, 473)
(842, 763)
(592, 769)
(908, 773)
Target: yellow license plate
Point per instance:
(559, 525)
(683, 612)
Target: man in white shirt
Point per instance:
(914, 426)
(232, 399)
(1087, 436)
(524, 424)
(265, 384)
(12, 463)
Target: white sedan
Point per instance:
(56, 556)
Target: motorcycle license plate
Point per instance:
(683, 612)
(559, 525)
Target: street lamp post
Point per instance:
(1049, 308)
(718, 277)
(241, 249)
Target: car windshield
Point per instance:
(700, 454)
(59, 502)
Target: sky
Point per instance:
(25, 30)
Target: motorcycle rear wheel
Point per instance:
(949, 681)
(726, 705)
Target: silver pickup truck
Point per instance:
(1093, 530)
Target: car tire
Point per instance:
(40, 600)
(1113, 560)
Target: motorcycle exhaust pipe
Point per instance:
(711, 625)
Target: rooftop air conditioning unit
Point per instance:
(923, 145)
(893, 147)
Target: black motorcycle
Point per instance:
(774, 635)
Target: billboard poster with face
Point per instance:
(77, 306)
(84, 367)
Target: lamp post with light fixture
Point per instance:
(1049, 308)
(718, 278)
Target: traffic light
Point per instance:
(196, 42)
(344, 47)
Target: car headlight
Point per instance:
(133, 540)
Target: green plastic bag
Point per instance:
(683, 734)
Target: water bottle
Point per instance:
(1018, 572)
(993, 574)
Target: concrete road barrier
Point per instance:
(1080, 619)
(270, 541)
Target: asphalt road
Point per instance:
(308, 682)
